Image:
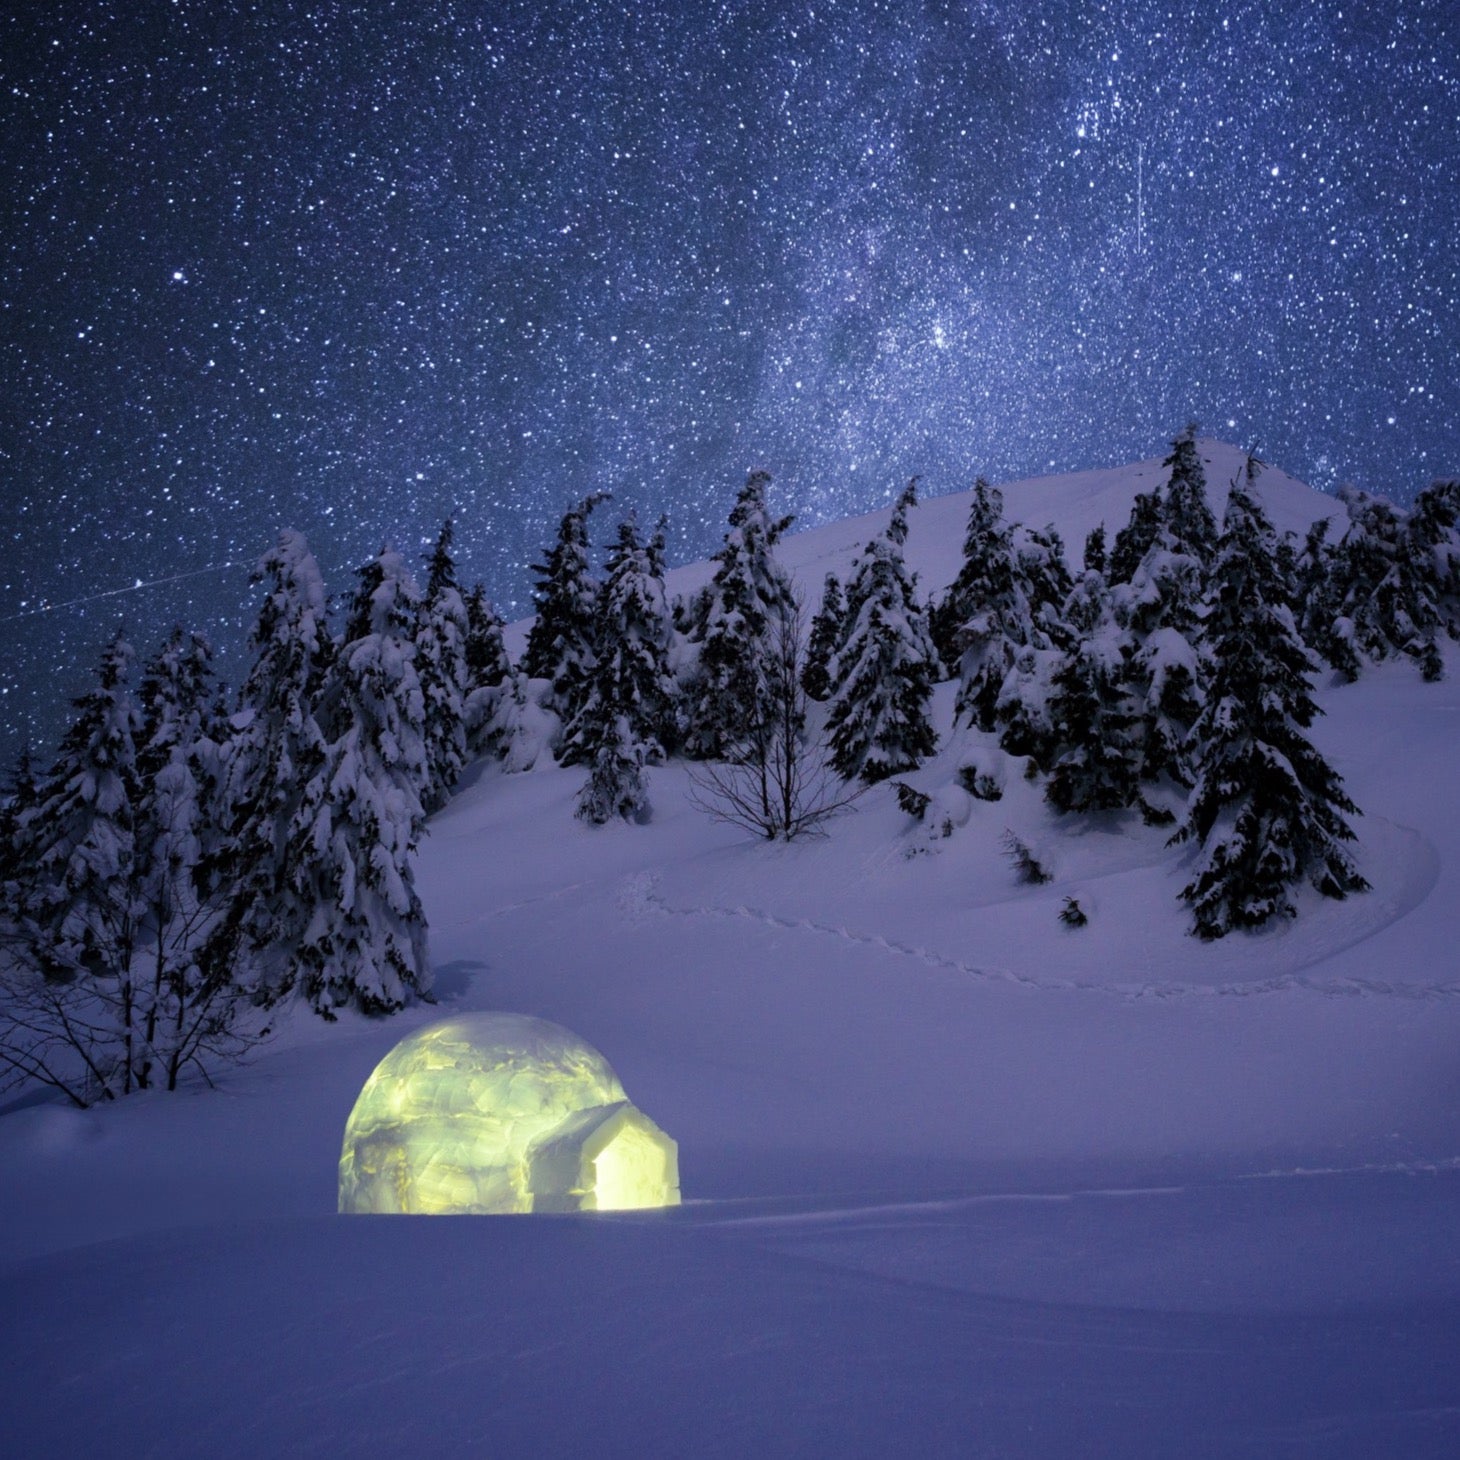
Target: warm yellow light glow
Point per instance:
(629, 1171)
(501, 1113)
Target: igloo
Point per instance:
(501, 1113)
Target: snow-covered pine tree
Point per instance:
(188, 1010)
(1266, 808)
(1095, 556)
(628, 710)
(828, 630)
(1022, 708)
(1040, 555)
(1159, 609)
(514, 728)
(77, 897)
(1382, 597)
(441, 665)
(1097, 766)
(1002, 650)
(1432, 551)
(1096, 760)
(1434, 532)
(748, 599)
(179, 710)
(352, 842)
(21, 789)
(271, 773)
(1187, 514)
(630, 676)
(69, 1010)
(986, 554)
(1134, 540)
(616, 786)
(969, 618)
(560, 642)
(1088, 605)
(495, 689)
(1316, 592)
(882, 676)
(487, 662)
(102, 991)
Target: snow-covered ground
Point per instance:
(959, 1180)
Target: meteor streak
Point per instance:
(117, 592)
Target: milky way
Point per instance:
(351, 269)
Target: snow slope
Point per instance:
(959, 1180)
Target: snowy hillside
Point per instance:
(959, 1180)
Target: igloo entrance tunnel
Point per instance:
(501, 1113)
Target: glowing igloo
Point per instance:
(501, 1113)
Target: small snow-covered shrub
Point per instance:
(979, 784)
(911, 800)
(1026, 864)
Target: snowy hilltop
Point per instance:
(1079, 1079)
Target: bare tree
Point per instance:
(97, 1038)
(116, 878)
(778, 782)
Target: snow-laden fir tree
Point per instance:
(1134, 540)
(1434, 535)
(271, 770)
(1267, 810)
(511, 724)
(181, 751)
(882, 675)
(106, 990)
(996, 620)
(1316, 594)
(441, 665)
(487, 661)
(631, 675)
(21, 789)
(1094, 560)
(985, 571)
(1088, 607)
(828, 630)
(981, 603)
(1097, 762)
(628, 711)
(1093, 751)
(178, 703)
(736, 627)
(1432, 547)
(71, 1014)
(1022, 708)
(1040, 554)
(76, 898)
(1353, 618)
(560, 642)
(190, 1005)
(1186, 512)
(352, 842)
(1387, 587)
(495, 689)
(1159, 609)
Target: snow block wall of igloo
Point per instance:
(493, 1113)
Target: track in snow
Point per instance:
(642, 896)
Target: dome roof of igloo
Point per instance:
(447, 1120)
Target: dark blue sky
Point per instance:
(352, 268)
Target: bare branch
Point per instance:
(779, 783)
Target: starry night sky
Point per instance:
(351, 268)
